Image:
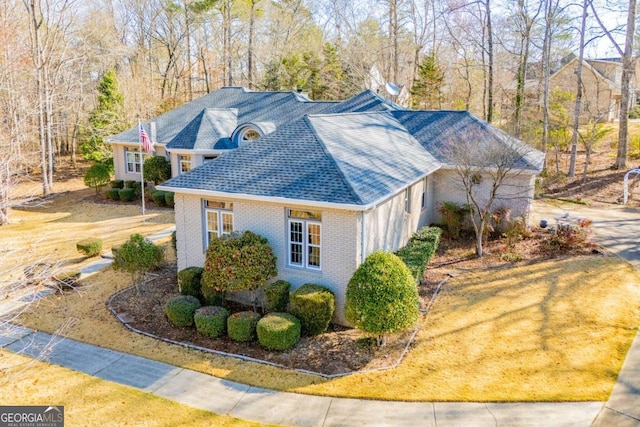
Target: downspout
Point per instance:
(363, 234)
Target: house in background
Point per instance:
(330, 187)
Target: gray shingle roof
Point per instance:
(437, 131)
(267, 107)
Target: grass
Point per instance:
(554, 331)
(90, 401)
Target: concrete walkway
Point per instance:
(615, 230)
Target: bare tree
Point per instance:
(579, 90)
(487, 169)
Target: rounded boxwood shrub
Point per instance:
(381, 296)
(113, 194)
(189, 281)
(127, 194)
(117, 183)
(314, 306)
(241, 326)
(168, 198)
(276, 296)
(89, 247)
(211, 320)
(158, 197)
(278, 331)
(181, 309)
(130, 184)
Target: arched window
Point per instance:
(247, 134)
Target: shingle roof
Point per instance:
(266, 107)
(437, 131)
(209, 129)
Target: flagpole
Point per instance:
(141, 165)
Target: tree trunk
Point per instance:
(490, 58)
(627, 71)
(546, 59)
(252, 12)
(578, 104)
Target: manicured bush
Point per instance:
(158, 197)
(127, 194)
(137, 187)
(137, 256)
(117, 183)
(181, 309)
(276, 296)
(130, 184)
(189, 281)
(241, 326)
(278, 331)
(237, 262)
(97, 176)
(314, 306)
(89, 247)
(381, 296)
(113, 194)
(211, 320)
(157, 169)
(168, 198)
(422, 246)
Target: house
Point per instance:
(329, 188)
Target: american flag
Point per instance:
(146, 142)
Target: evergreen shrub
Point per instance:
(189, 281)
(314, 305)
(278, 331)
(211, 320)
(181, 309)
(89, 247)
(117, 183)
(127, 194)
(422, 246)
(276, 296)
(241, 326)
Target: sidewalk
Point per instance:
(256, 404)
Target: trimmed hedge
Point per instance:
(241, 326)
(113, 194)
(420, 249)
(381, 296)
(168, 198)
(189, 281)
(130, 184)
(314, 306)
(276, 296)
(158, 197)
(89, 247)
(211, 320)
(278, 331)
(117, 183)
(181, 309)
(127, 194)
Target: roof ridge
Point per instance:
(333, 161)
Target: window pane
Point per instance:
(304, 214)
(314, 256)
(212, 222)
(219, 205)
(296, 253)
(314, 234)
(296, 232)
(227, 223)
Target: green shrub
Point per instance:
(137, 256)
(422, 246)
(127, 194)
(189, 281)
(237, 262)
(314, 306)
(276, 296)
(452, 217)
(158, 197)
(113, 194)
(89, 247)
(211, 320)
(157, 169)
(97, 176)
(117, 183)
(241, 326)
(131, 184)
(278, 331)
(168, 199)
(381, 296)
(181, 309)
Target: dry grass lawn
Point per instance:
(90, 401)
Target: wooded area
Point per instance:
(74, 72)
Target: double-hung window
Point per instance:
(218, 219)
(132, 160)
(185, 163)
(304, 239)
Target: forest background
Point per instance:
(73, 72)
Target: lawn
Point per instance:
(90, 401)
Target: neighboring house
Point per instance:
(328, 189)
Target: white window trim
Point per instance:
(305, 244)
(133, 166)
(220, 232)
(185, 161)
